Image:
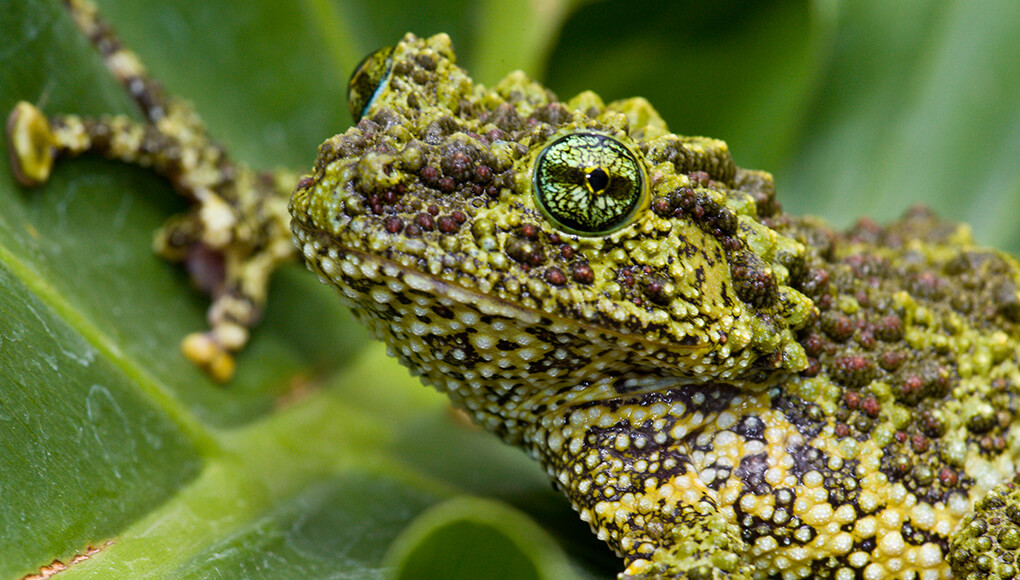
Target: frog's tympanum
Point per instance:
(722, 390)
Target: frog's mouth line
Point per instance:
(484, 304)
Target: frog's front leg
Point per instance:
(237, 231)
(233, 237)
(626, 465)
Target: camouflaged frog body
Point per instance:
(721, 389)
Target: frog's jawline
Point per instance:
(489, 305)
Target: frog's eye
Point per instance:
(369, 78)
(589, 183)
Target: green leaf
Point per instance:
(322, 452)
(76, 432)
(467, 534)
(922, 107)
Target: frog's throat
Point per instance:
(344, 266)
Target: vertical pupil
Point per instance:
(597, 179)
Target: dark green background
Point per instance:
(323, 456)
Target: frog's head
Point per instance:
(511, 248)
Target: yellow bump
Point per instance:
(865, 527)
(929, 555)
(845, 514)
(891, 544)
(765, 544)
(797, 553)
(858, 559)
(845, 574)
(874, 572)
(748, 503)
(622, 442)
(868, 501)
(813, 478)
(841, 543)
(818, 515)
(773, 476)
(782, 562)
(229, 336)
(891, 518)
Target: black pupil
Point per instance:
(597, 179)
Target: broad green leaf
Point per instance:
(322, 452)
(77, 433)
(920, 105)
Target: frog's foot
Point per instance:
(238, 229)
(986, 543)
(232, 239)
(230, 251)
(206, 351)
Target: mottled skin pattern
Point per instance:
(722, 390)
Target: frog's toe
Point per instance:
(31, 144)
(986, 544)
(207, 353)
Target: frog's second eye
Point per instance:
(369, 78)
(589, 183)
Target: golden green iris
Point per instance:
(368, 79)
(589, 183)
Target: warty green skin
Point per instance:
(721, 389)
